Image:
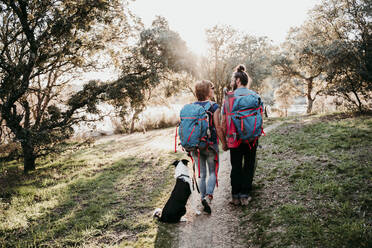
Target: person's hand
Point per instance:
(224, 147)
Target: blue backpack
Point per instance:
(194, 126)
(247, 116)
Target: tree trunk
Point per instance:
(266, 115)
(309, 105)
(309, 99)
(359, 102)
(28, 157)
(134, 118)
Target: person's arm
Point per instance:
(224, 126)
(224, 129)
(219, 129)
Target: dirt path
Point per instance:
(271, 127)
(219, 229)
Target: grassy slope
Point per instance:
(313, 185)
(312, 188)
(84, 199)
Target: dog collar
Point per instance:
(183, 175)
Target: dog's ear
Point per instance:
(175, 163)
(185, 161)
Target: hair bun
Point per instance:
(240, 68)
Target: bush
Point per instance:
(10, 151)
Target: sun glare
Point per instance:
(269, 18)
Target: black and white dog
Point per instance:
(175, 207)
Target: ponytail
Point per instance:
(241, 74)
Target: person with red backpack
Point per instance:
(242, 126)
(199, 129)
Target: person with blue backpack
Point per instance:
(242, 126)
(199, 128)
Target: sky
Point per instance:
(190, 18)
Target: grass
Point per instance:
(313, 185)
(84, 198)
(312, 188)
(267, 121)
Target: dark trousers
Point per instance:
(243, 161)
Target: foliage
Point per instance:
(217, 67)
(267, 90)
(284, 97)
(40, 42)
(256, 54)
(331, 53)
(302, 62)
(346, 25)
(227, 49)
(159, 54)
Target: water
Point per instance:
(297, 109)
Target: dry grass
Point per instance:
(98, 196)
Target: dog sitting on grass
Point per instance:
(175, 207)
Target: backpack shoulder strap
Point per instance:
(213, 105)
(207, 106)
(228, 102)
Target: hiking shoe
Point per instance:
(245, 201)
(235, 201)
(207, 208)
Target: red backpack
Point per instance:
(247, 114)
(233, 140)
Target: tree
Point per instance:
(227, 49)
(284, 97)
(267, 90)
(217, 67)
(159, 54)
(256, 54)
(302, 62)
(40, 43)
(346, 27)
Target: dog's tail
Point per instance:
(157, 213)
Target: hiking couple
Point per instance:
(242, 152)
